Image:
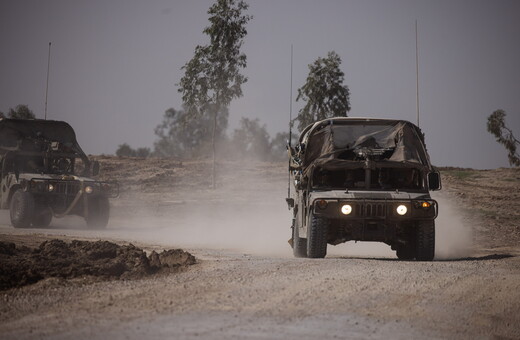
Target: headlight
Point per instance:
(88, 189)
(50, 187)
(322, 204)
(346, 209)
(401, 210)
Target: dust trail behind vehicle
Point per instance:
(249, 215)
(454, 233)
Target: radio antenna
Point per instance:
(290, 100)
(47, 86)
(417, 69)
(290, 127)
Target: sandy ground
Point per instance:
(246, 285)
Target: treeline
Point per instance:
(19, 112)
(185, 137)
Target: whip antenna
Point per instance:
(290, 129)
(290, 100)
(47, 87)
(417, 70)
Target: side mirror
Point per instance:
(3, 165)
(94, 168)
(434, 181)
(290, 202)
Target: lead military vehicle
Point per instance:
(358, 179)
(45, 174)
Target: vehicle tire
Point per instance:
(42, 217)
(405, 252)
(317, 237)
(299, 244)
(425, 241)
(21, 209)
(98, 212)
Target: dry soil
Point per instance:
(245, 283)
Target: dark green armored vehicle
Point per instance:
(359, 179)
(45, 174)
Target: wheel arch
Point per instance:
(12, 190)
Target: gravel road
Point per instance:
(246, 285)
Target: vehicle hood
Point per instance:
(29, 176)
(367, 195)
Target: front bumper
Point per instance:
(376, 210)
(65, 187)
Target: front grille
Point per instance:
(67, 187)
(375, 210)
(370, 209)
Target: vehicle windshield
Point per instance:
(409, 179)
(40, 146)
(363, 136)
(396, 141)
(39, 156)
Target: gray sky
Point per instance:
(115, 63)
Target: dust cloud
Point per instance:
(261, 229)
(453, 235)
(261, 226)
(241, 215)
(247, 213)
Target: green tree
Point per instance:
(496, 125)
(143, 152)
(212, 78)
(324, 94)
(251, 140)
(20, 112)
(179, 136)
(124, 150)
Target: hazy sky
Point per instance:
(114, 65)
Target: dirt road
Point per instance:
(246, 285)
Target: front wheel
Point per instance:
(299, 244)
(405, 252)
(42, 217)
(21, 209)
(317, 237)
(98, 212)
(425, 241)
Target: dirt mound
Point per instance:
(20, 265)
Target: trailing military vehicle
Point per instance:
(360, 179)
(45, 173)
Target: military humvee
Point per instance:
(359, 179)
(45, 174)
